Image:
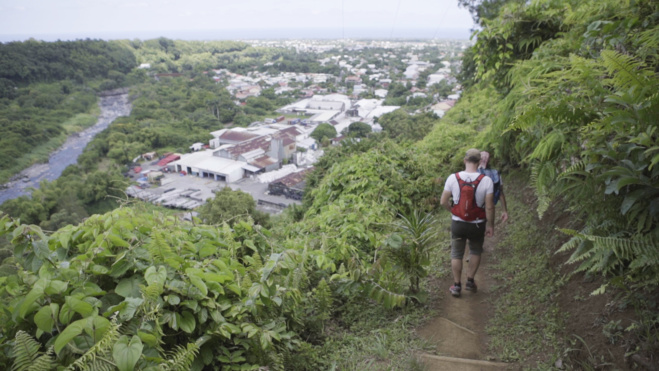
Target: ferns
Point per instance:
(181, 359)
(608, 254)
(98, 356)
(626, 71)
(582, 114)
(44, 362)
(27, 356)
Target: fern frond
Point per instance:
(161, 251)
(627, 72)
(96, 358)
(576, 168)
(44, 362)
(542, 175)
(181, 359)
(25, 351)
(570, 244)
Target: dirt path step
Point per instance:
(459, 329)
(442, 363)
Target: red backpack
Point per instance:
(466, 208)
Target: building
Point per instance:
(440, 108)
(290, 186)
(242, 152)
(203, 164)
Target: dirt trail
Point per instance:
(459, 329)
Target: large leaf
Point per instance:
(71, 331)
(199, 283)
(56, 287)
(85, 309)
(126, 353)
(129, 287)
(186, 322)
(96, 327)
(29, 304)
(128, 312)
(156, 277)
(46, 316)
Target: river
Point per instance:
(113, 104)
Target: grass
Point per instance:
(41, 153)
(527, 321)
(366, 336)
(373, 338)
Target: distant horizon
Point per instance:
(251, 34)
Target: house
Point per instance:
(149, 156)
(353, 80)
(290, 186)
(196, 147)
(440, 108)
(234, 136)
(380, 93)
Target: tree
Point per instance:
(230, 207)
(323, 131)
(401, 126)
(359, 129)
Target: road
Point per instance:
(112, 106)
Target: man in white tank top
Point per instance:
(472, 231)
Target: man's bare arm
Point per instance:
(444, 201)
(489, 214)
(504, 214)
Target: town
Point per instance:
(268, 158)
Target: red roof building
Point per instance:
(168, 159)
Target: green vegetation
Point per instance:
(323, 133)
(564, 90)
(359, 129)
(522, 329)
(401, 126)
(35, 61)
(231, 207)
(38, 119)
(567, 91)
(166, 55)
(47, 91)
(591, 136)
(72, 197)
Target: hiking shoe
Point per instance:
(471, 286)
(455, 290)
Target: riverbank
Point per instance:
(41, 154)
(111, 105)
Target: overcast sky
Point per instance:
(66, 19)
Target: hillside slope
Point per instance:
(566, 91)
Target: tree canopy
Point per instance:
(359, 129)
(231, 207)
(323, 131)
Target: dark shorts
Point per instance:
(463, 231)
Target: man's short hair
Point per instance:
(473, 155)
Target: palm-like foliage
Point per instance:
(410, 251)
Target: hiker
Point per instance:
(472, 219)
(484, 168)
